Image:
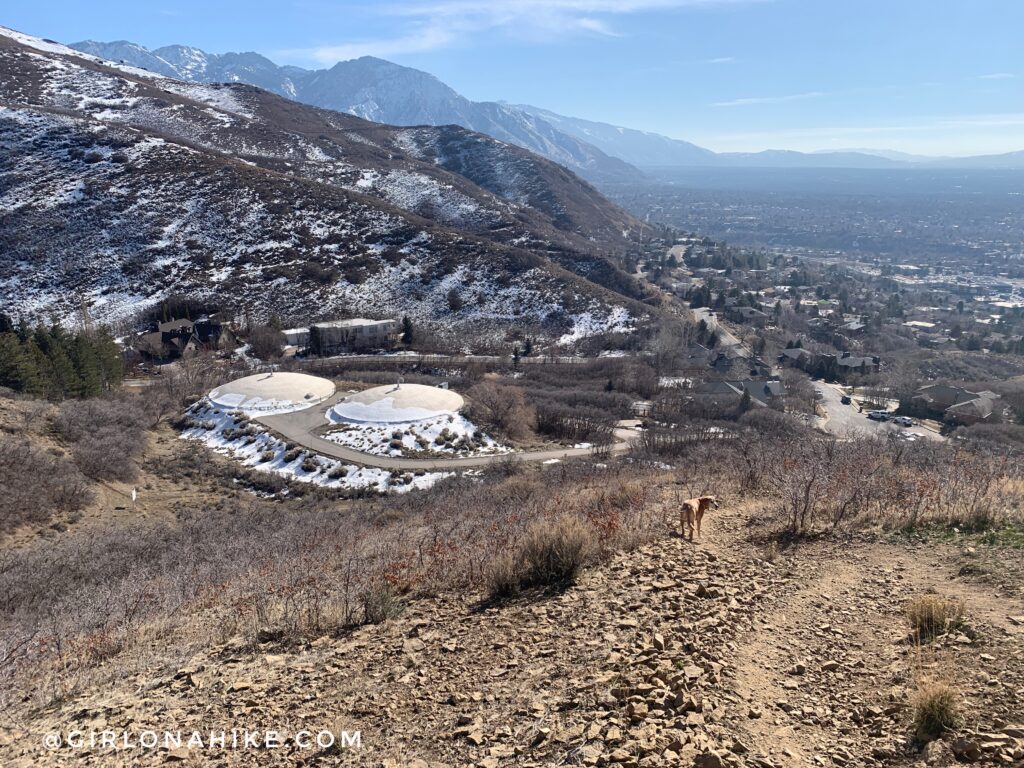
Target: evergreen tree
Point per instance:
(108, 354)
(746, 402)
(88, 376)
(407, 330)
(18, 369)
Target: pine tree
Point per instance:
(108, 354)
(746, 402)
(59, 374)
(18, 369)
(407, 330)
(88, 376)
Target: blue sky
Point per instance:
(928, 76)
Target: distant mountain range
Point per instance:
(375, 90)
(384, 92)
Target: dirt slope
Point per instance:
(675, 654)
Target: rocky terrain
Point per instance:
(725, 653)
(120, 186)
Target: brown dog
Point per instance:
(692, 512)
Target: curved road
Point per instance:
(302, 428)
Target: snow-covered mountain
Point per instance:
(119, 187)
(184, 62)
(376, 90)
(386, 92)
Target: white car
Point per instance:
(903, 421)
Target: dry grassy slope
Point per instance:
(670, 655)
(124, 186)
(158, 496)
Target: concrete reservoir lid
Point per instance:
(397, 403)
(276, 392)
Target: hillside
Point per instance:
(121, 186)
(641, 148)
(376, 90)
(730, 652)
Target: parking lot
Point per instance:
(845, 420)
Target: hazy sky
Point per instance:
(929, 76)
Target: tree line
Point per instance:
(52, 362)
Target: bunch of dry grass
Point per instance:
(936, 710)
(380, 602)
(932, 615)
(551, 554)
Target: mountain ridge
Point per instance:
(121, 186)
(377, 90)
(383, 91)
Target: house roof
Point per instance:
(151, 344)
(944, 393)
(355, 322)
(175, 325)
(979, 406)
(855, 362)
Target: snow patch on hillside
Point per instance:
(232, 434)
(595, 321)
(445, 435)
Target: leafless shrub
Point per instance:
(266, 343)
(501, 407)
(106, 435)
(55, 486)
(248, 568)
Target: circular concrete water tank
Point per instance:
(277, 392)
(397, 403)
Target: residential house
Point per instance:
(956, 404)
(729, 393)
(747, 315)
(179, 338)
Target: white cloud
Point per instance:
(416, 41)
(721, 60)
(769, 99)
(434, 25)
(997, 76)
(934, 135)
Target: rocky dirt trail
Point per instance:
(715, 654)
(829, 672)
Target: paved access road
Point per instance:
(304, 428)
(845, 421)
(726, 338)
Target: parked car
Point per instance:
(878, 415)
(846, 400)
(904, 421)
